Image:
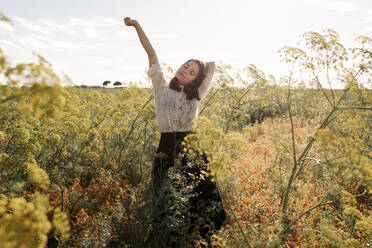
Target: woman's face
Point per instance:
(187, 72)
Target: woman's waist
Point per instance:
(172, 140)
(175, 135)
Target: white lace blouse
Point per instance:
(173, 111)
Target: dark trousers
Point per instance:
(206, 203)
(168, 149)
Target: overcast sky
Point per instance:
(89, 42)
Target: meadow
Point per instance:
(291, 156)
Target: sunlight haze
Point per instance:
(89, 42)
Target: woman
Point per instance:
(176, 105)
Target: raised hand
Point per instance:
(129, 22)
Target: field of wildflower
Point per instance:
(291, 156)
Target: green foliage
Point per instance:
(25, 224)
(340, 144)
(4, 18)
(76, 163)
(24, 184)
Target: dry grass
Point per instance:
(261, 172)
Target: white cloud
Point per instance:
(6, 27)
(95, 41)
(93, 34)
(63, 29)
(33, 43)
(8, 44)
(109, 21)
(343, 6)
(126, 34)
(73, 27)
(20, 21)
(74, 35)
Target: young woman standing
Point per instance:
(176, 106)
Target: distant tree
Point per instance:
(106, 83)
(117, 83)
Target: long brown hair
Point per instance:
(190, 89)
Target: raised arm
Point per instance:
(153, 59)
(207, 82)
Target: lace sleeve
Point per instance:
(157, 77)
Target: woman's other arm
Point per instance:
(153, 59)
(207, 82)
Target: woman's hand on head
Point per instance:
(129, 22)
(211, 65)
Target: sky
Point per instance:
(88, 41)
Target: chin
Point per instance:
(180, 82)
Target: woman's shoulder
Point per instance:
(154, 69)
